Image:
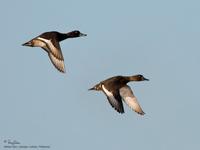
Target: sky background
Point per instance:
(159, 39)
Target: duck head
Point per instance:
(140, 77)
(75, 33)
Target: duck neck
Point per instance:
(63, 36)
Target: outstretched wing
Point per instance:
(59, 64)
(129, 98)
(55, 53)
(114, 99)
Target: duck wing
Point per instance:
(59, 64)
(130, 99)
(53, 49)
(114, 99)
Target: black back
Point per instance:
(54, 35)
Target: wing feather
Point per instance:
(130, 99)
(59, 64)
(114, 100)
(53, 49)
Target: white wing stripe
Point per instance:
(111, 97)
(52, 48)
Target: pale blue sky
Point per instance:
(159, 39)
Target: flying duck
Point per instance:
(49, 41)
(116, 89)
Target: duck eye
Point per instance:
(141, 77)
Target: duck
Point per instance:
(116, 90)
(49, 42)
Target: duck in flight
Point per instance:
(49, 41)
(116, 90)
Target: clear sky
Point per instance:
(159, 39)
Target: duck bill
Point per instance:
(82, 34)
(145, 79)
